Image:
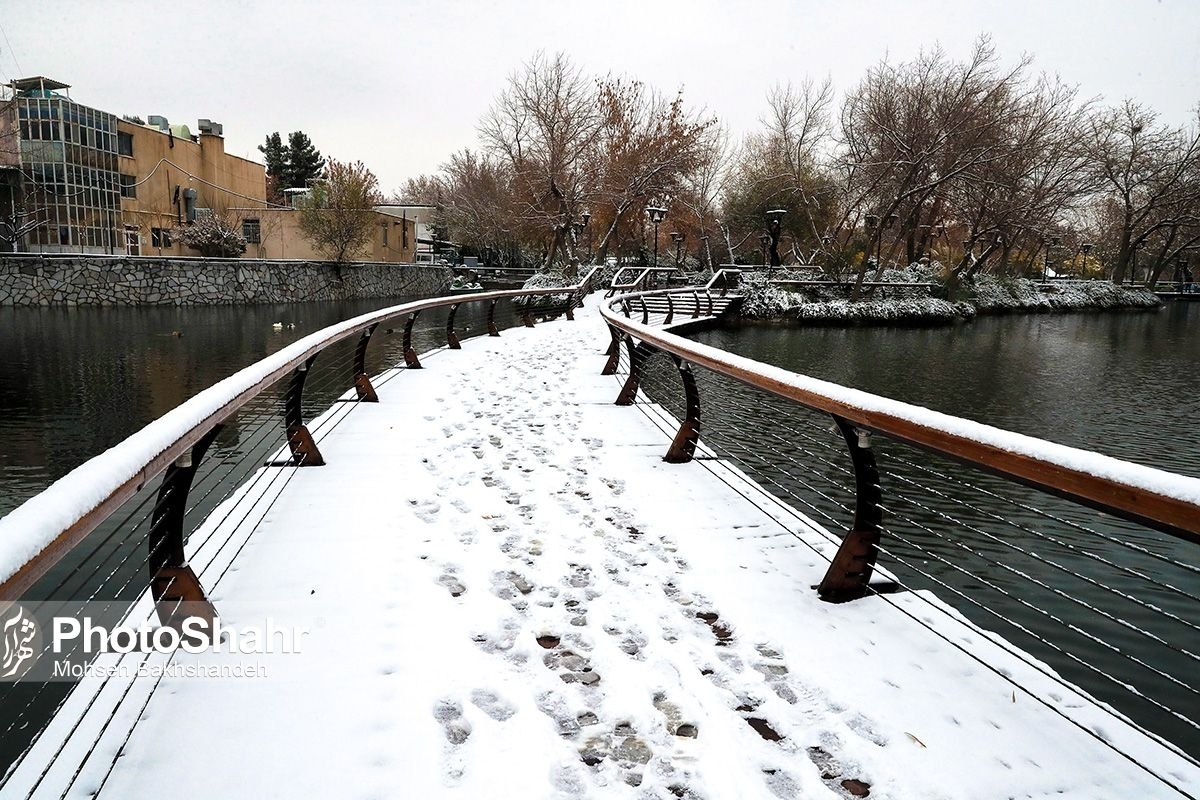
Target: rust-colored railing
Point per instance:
(1163, 501)
(50, 525)
(640, 282)
(1082, 562)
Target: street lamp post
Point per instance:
(774, 228)
(872, 222)
(678, 238)
(657, 215)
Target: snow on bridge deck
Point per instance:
(510, 594)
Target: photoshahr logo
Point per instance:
(20, 642)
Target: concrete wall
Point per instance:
(34, 280)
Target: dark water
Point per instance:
(1124, 384)
(74, 382)
(1033, 568)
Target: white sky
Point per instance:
(401, 84)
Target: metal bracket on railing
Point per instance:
(637, 357)
(645, 311)
(410, 356)
(670, 310)
(614, 352)
(172, 581)
(362, 383)
(710, 302)
(451, 337)
(696, 310)
(683, 448)
(304, 449)
(850, 571)
(491, 322)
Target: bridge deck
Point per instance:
(510, 594)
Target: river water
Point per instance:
(1124, 384)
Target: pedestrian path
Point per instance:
(506, 593)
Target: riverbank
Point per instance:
(770, 302)
(98, 280)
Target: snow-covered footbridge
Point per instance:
(590, 558)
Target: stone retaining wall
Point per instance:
(36, 280)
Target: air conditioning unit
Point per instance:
(208, 126)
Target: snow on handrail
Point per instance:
(37, 534)
(1153, 497)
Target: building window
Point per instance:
(64, 234)
(160, 237)
(251, 231)
(124, 143)
(128, 185)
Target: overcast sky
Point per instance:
(400, 84)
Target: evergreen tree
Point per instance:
(304, 162)
(275, 157)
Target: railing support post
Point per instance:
(304, 449)
(491, 322)
(172, 580)
(362, 382)
(451, 337)
(614, 352)
(645, 311)
(526, 314)
(637, 356)
(696, 307)
(410, 356)
(670, 310)
(850, 571)
(683, 448)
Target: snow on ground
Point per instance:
(510, 594)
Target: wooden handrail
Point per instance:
(1152, 497)
(47, 526)
(637, 282)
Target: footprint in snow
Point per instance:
(449, 713)
(426, 510)
(493, 704)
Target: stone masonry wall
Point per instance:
(83, 280)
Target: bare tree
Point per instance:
(784, 167)
(1150, 175)
(544, 127)
(646, 148)
(338, 215)
(1014, 201)
(910, 130)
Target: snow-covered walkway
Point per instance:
(511, 595)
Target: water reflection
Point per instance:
(76, 381)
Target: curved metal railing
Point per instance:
(1060, 551)
(35, 536)
(97, 539)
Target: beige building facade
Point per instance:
(74, 179)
